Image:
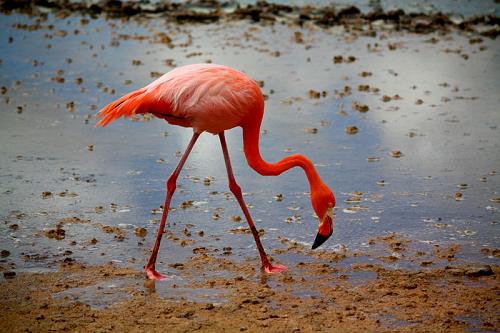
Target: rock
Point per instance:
(188, 314)
(455, 271)
(9, 274)
(349, 12)
(475, 271)
(140, 232)
(58, 233)
(177, 265)
(351, 130)
(199, 250)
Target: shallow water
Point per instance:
(452, 138)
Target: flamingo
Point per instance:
(215, 98)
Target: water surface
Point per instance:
(115, 176)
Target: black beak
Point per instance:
(320, 239)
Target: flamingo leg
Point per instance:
(235, 188)
(171, 186)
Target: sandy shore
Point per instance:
(317, 295)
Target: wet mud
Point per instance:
(214, 294)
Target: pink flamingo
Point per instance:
(214, 98)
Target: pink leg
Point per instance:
(235, 188)
(171, 185)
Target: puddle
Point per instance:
(358, 277)
(394, 323)
(101, 295)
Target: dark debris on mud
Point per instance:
(262, 11)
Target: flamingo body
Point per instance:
(215, 98)
(207, 97)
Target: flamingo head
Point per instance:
(323, 202)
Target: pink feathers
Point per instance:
(206, 97)
(126, 106)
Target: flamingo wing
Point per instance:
(206, 97)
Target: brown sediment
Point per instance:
(313, 296)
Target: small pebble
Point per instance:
(9, 274)
(396, 153)
(351, 130)
(140, 232)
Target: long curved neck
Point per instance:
(252, 153)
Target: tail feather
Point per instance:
(125, 106)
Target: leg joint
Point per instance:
(235, 188)
(171, 183)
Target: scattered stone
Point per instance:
(140, 232)
(186, 204)
(351, 130)
(360, 107)
(177, 265)
(58, 233)
(314, 94)
(297, 36)
(199, 250)
(364, 87)
(396, 153)
(476, 271)
(491, 252)
(9, 274)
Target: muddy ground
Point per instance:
(317, 295)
